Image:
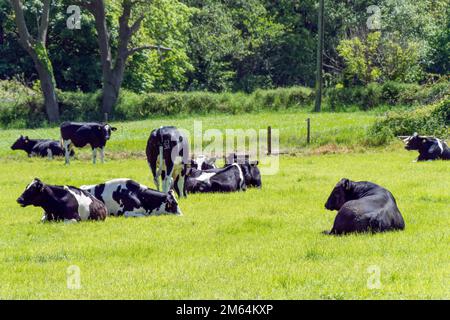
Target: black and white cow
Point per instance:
(39, 147)
(228, 179)
(249, 168)
(81, 134)
(203, 163)
(168, 157)
(363, 207)
(62, 203)
(429, 148)
(129, 198)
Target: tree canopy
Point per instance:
(237, 45)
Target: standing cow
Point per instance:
(168, 157)
(429, 148)
(129, 198)
(362, 207)
(81, 134)
(39, 147)
(62, 203)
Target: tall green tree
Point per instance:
(36, 48)
(114, 63)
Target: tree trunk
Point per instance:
(112, 73)
(36, 49)
(319, 84)
(48, 90)
(110, 95)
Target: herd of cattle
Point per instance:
(362, 206)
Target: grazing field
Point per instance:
(259, 244)
(131, 137)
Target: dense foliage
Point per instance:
(433, 119)
(243, 45)
(23, 107)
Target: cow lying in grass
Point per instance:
(231, 178)
(39, 147)
(430, 148)
(203, 163)
(363, 207)
(62, 203)
(129, 198)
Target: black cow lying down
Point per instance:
(233, 177)
(363, 206)
(129, 198)
(203, 163)
(62, 203)
(39, 147)
(429, 148)
(228, 179)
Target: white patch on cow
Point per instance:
(49, 153)
(439, 142)
(205, 176)
(70, 221)
(241, 175)
(83, 203)
(31, 184)
(112, 186)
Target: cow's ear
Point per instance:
(345, 183)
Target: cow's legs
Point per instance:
(49, 153)
(160, 169)
(168, 180)
(94, 155)
(180, 184)
(102, 154)
(66, 144)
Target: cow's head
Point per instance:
(339, 194)
(32, 194)
(107, 130)
(21, 143)
(252, 175)
(414, 142)
(172, 204)
(203, 163)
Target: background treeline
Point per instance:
(243, 45)
(227, 56)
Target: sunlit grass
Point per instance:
(259, 244)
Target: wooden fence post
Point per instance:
(269, 140)
(308, 129)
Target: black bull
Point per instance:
(362, 207)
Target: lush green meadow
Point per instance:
(259, 244)
(131, 137)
